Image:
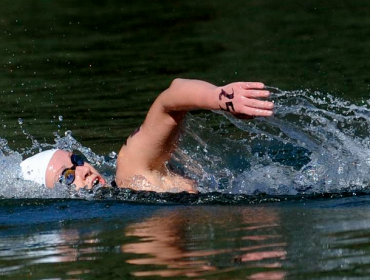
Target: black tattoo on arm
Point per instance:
(228, 96)
(228, 105)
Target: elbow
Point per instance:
(171, 99)
(176, 84)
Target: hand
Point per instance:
(242, 100)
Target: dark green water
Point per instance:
(100, 65)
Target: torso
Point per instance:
(154, 181)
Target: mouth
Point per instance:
(97, 180)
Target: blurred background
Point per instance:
(94, 67)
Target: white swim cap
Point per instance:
(34, 168)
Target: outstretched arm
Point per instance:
(238, 98)
(147, 150)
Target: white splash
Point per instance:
(314, 143)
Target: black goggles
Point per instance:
(68, 175)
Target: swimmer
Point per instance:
(142, 161)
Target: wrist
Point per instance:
(214, 99)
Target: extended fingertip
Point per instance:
(266, 113)
(258, 85)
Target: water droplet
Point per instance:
(68, 133)
(113, 154)
(20, 121)
(61, 118)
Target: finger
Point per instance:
(249, 85)
(255, 103)
(257, 112)
(257, 93)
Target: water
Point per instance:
(64, 239)
(281, 198)
(314, 143)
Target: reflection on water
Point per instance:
(291, 240)
(163, 243)
(192, 242)
(20, 252)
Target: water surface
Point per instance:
(321, 239)
(291, 199)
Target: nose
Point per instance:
(82, 172)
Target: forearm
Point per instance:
(185, 95)
(240, 99)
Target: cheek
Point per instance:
(79, 182)
(78, 177)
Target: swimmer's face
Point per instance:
(85, 175)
